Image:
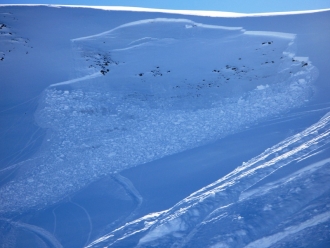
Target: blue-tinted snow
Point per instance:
(193, 86)
(233, 212)
(131, 105)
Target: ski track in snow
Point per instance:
(38, 231)
(132, 191)
(135, 106)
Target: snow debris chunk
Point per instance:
(262, 87)
(172, 226)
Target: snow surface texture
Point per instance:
(154, 88)
(239, 210)
(11, 42)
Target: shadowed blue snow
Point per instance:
(244, 208)
(160, 90)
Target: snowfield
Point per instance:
(103, 101)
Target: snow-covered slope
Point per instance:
(125, 89)
(243, 207)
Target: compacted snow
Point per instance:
(147, 89)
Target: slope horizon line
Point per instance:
(208, 13)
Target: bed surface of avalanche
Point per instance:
(247, 207)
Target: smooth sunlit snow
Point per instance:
(110, 99)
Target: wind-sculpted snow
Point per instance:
(246, 207)
(164, 86)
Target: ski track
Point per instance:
(90, 223)
(40, 232)
(132, 191)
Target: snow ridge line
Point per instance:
(170, 20)
(207, 13)
(91, 76)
